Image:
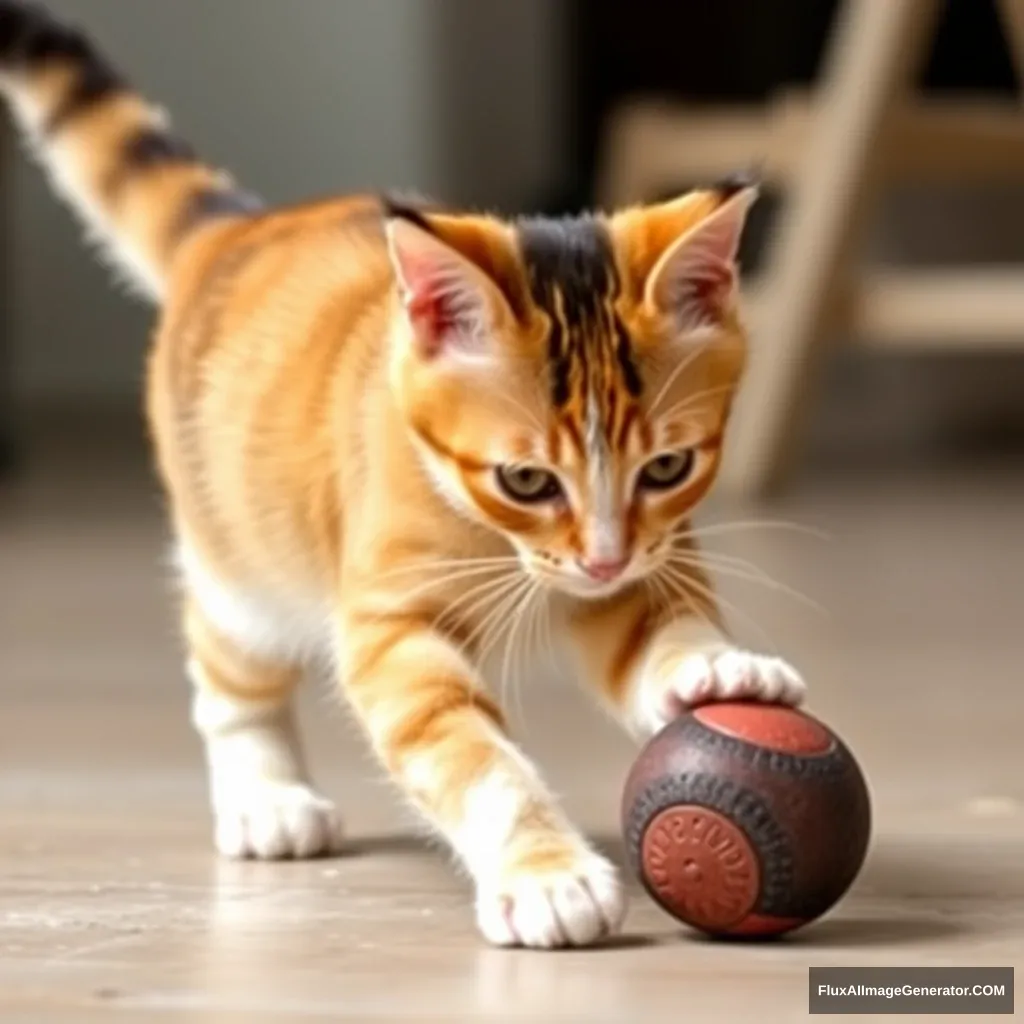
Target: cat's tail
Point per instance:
(138, 188)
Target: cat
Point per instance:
(383, 427)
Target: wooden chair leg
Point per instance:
(875, 50)
(1011, 13)
(621, 177)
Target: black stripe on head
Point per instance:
(572, 275)
(31, 37)
(573, 256)
(627, 364)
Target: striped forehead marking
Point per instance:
(572, 275)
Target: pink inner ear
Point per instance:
(703, 295)
(695, 279)
(694, 289)
(441, 298)
(434, 316)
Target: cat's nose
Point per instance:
(604, 570)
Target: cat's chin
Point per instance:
(586, 589)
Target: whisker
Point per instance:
(497, 621)
(690, 400)
(513, 583)
(405, 599)
(503, 635)
(496, 592)
(516, 404)
(673, 587)
(506, 663)
(702, 591)
(517, 642)
(722, 559)
(494, 619)
(407, 603)
(741, 569)
(531, 647)
(531, 637)
(674, 375)
(447, 563)
(488, 631)
(545, 641)
(666, 594)
(549, 638)
(654, 595)
(470, 572)
(713, 529)
(526, 647)
(490, 589)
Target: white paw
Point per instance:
(726, 675)
(545, 909)
(276, 821)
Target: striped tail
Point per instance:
(139, 189)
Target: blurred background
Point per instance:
(518, 107)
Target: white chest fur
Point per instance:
(261, 621)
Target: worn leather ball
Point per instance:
(746, 819)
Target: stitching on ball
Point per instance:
(802, 765)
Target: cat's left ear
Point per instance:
(693, 281)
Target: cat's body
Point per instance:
(382, 430)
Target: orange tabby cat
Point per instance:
(384, 429)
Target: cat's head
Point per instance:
(568, 381)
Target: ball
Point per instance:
(746, 820)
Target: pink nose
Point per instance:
(604, 569)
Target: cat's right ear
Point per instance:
(453, 307)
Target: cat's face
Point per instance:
(568, 382)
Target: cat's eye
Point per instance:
(528, 484)
(666, 471)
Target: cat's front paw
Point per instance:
(721, 675)
(276, 821)
(551, 905)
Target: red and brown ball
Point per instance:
(746, 819)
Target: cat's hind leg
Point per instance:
(263, 802)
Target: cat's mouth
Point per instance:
(577, 583)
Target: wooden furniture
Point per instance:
(833, 150)
(7, 395)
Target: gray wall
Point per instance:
(299, 98)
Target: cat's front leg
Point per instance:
(653, 662)
(538, 882)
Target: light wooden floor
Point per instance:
(112, 905)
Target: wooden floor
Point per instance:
(112, 904)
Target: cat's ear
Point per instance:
(681, 254)
(454, 307)
(693, 282)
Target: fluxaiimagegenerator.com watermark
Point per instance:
(963, 990)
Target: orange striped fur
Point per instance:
(384, 431)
